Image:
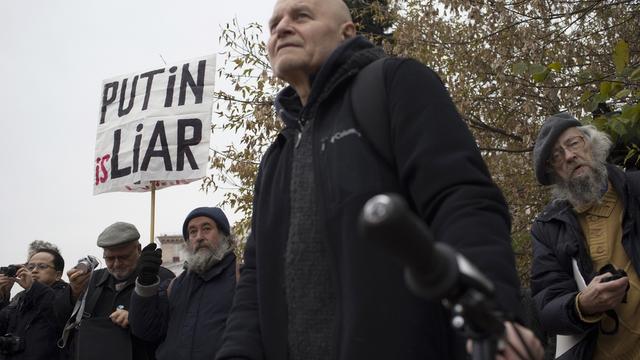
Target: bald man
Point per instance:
(311, 288)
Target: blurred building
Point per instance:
(173, 252)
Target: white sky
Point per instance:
(54, 55)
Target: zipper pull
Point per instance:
(298, 138)
(301, 124)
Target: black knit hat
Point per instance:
(551, 130)
(213, 213)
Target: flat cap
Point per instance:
(549, 133)
(117, 234)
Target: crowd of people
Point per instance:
(133, 308)
(311, 287)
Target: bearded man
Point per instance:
(189, 317)
(589, 234)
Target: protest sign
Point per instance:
(155, 126)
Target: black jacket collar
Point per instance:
(345, 61)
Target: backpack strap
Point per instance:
(371, 111)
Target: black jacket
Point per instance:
(30, 316)
(439, 169)
(557, 238)
(102, 301)
(189, 323)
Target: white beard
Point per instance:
(585, 189)
(205, 257)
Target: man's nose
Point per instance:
(569, 155)
(197, 237)
(283, 27)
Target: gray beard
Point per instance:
(585, 189)
(121, 276)
(205, 258)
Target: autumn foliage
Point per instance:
(507, 65)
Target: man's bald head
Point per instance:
(341, 11)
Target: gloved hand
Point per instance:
(149, 264)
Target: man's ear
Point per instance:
(348, 30)
(58, 275)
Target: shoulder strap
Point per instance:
(81, 310)
(370, 108)
(92, 300)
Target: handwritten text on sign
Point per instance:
(155, 126)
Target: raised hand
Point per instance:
(6, 283)
(78, 280)
(24, 278)
(149, 264)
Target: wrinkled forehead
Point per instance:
(200, 221)
(567, 134)
(283, 6)
(120, 250)
(41, 257)
(335, 9)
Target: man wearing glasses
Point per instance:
(101, 297)
(586, 244)
(28, 322)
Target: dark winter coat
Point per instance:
(439, 169)
(189, 323)
(102, 301)
(31, 317)
(557, 238)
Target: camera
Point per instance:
(11, 344)
(9, 271)
(88, 263)
(615, 275)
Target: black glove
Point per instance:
(149, 264)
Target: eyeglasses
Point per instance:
(40, 266)
(573, 144)
(121, 258)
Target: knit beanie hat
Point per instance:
(212, 213)
(551, 130)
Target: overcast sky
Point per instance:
(54, 55)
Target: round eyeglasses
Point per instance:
(573, 144)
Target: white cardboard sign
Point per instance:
(155, 126)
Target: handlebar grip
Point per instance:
(387, 220)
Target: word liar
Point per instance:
(110, 166)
